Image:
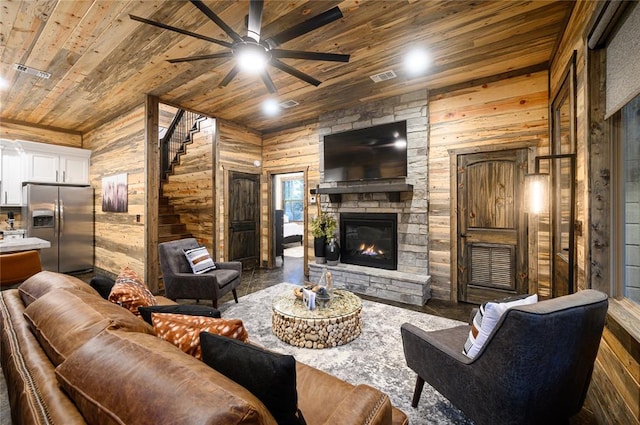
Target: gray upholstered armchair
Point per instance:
(534, 368)
(181, 283)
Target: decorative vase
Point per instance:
(319, 249)
(332, 252)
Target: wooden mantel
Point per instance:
(335, 193)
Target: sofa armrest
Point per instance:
(363, 405)
(232, 265)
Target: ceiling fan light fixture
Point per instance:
(251, 57)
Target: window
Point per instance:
(630, 198)
(293, 199)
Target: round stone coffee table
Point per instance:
(330, 326)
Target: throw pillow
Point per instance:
(130, 292)
(191, 310)
(199, 260)
(183, 331)
(269, 376)
(486, 320)
(103, 285)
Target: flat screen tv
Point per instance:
(371, 153)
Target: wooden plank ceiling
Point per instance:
(102, 63)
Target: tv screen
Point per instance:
(372, 153)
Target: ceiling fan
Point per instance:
(251, 51)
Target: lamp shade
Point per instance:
(536, 193)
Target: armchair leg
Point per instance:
(235, 295)
(417, 392)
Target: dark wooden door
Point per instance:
(492, 251)
(244, 218)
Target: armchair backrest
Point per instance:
(172, 258)
(543, 354)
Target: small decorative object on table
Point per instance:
(322, 297)
(309, 298)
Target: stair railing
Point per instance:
(178, 134)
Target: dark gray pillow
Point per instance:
(271, 377)
(191, 310)
(103, 285)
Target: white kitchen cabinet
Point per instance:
(12, 174)
(56, 164)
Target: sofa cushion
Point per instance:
(199, 260)
(190, 310)
(63, 320)
(132, 378)
(45, 281)
(130, 292)
(269, 376)
(183, 330)
(487, 318)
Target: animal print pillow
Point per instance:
(183, 330)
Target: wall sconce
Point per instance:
(536, 193)
(536, 186)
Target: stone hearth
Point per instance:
(390, 285)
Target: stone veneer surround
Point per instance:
(411, 282)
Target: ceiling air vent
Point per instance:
(31, 71)
(383, 76)
(289, 104)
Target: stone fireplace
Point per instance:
(408, 280)
(369, 239)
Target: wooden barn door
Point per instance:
(492, 251)
(244, 218)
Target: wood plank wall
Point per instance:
(237, 148)
(614, 394)
(119, 147)
(295, 149)
(16, 131)
(506, 112)
(190, 188)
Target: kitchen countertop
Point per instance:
(22, 244)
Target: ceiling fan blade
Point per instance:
(292, 71)
(202, 57)
(305, 27)
(230, 76)
(181, 31)
(314, 56)
(268, 82)
(219, 22)
(255, 19)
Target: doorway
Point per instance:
(244, 218)
(491, 227)
(288, 212)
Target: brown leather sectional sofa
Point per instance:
(71, 357)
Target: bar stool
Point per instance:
(18, 267)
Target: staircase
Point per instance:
(169, 226)
(173, 146)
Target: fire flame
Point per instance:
(370, 250)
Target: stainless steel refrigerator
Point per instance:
(62, 215)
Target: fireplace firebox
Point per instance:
(369, 239)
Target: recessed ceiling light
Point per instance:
(271, 107)
(416, 61)
(3, 83)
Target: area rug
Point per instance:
(375, 358)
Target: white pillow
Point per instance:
(490, 317)
(199, 260)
